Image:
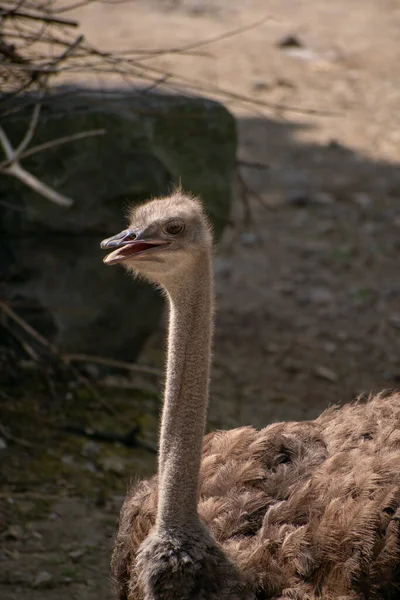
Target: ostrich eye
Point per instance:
(174, 227)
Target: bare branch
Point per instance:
(8, 149)
(30, 132)
(36, 185)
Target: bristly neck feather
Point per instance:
(191, 304)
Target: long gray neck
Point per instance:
(186, 396)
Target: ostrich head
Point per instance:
(165, 238)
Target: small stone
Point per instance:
(75, 555)
(287, 288)
(43, 580)
(316, 295)
(302, 199)
(260, 86)
(90, 449)
(289, 41)
(394, 320)
(14, 532)
(391, 376)
(12, 554)
(325, 373)
(3, 444)
(248, 239)
(330, 347)
(291, 365)
(321, 295)
(362, 199)
(89, 466)
(91, 370)
(286, 83)
(68, 459)
(299, 199)
(113, 463)
(26, 507)
(222, 267)
(323, 198)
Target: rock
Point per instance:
(43, 580)
(50, 261)
(3, 444)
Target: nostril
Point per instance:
(131, 235)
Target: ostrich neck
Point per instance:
(186, 397)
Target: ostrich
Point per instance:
(294, 511)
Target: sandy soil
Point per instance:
(309, 292)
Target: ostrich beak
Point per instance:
(119, 240)
(126, 244)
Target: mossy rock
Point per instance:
(50, 258)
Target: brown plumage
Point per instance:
(296, 511)
(305, 510)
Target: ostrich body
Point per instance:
(296, 511)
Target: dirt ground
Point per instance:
(308, 292)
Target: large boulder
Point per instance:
(50, 264)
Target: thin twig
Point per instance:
(58, 142)
(68, 51)
(23, 343)
(12, 438)
(69, 7)
(209, 41)
(18, 14)
(56, 352)
(110, 362)
(7, 310)
(5, 142)
(248, 190)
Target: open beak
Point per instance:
(125, 245)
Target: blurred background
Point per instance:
(284, 117)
